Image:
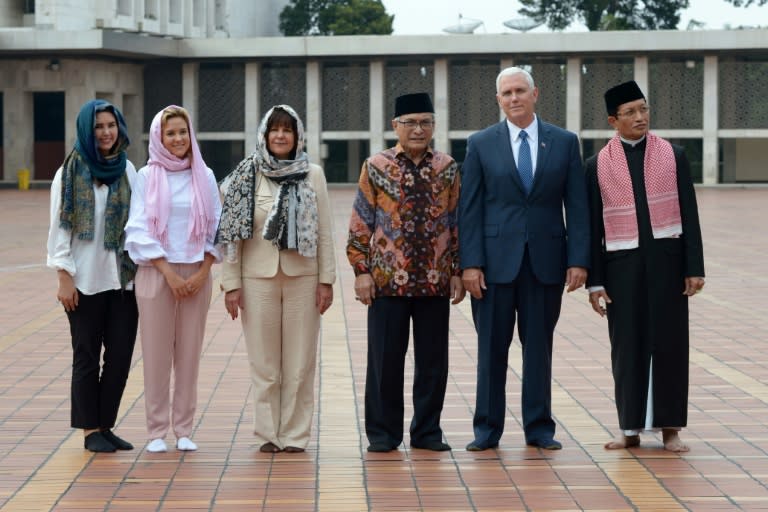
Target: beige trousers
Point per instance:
(171, 341)
(281, 325)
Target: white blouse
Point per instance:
(93, 268)
(143, 247)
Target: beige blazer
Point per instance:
(259, 258)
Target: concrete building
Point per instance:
(221, 60)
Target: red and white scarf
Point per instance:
(619, 214)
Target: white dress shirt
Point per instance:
(533, 140)
(93, 268)
(143, 247)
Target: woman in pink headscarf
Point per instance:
(175, 209)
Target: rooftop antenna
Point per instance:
(464, 26)
(522, 24)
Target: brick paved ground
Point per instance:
(43, 465)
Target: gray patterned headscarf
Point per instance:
(293, 222)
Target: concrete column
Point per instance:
(709, 163)
(252, 105)
(376, 106)
(74, 98)
(189, 90)
(441, 141)
(573, 95)
(19, 132)
(641, 76)
(314, 122)
(354, 160)
(505, 63)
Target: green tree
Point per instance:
(335, 17)
(608, 14)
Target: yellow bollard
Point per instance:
(23, 177)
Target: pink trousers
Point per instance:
(171, 342)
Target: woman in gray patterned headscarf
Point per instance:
(279, 270)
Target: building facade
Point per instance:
(221, 60)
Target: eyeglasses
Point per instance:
(411, 124)
(632, 113)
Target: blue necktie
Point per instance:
(524, 164)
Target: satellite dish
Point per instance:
(464, 26)
(523, 24)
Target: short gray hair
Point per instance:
(514, 70)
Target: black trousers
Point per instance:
(388, 333)
(110, 319)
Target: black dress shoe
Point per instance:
(120, 444)
(477, 446)
(380, 448)
(545, 443)
(96, 442)
(435, 446)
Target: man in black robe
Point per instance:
(647, 260)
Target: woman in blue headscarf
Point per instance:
(90, 197)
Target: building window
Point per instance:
(283, 84)
(222, 156)
(174, 11)
(221, 97)
(198, 7)
(472, 94)
(676, 93)
(597, 76)
(405, 78)
(346, 95)
(748, 108)
(151, 10)
(162, 87)
(344, 160)
(124, 7)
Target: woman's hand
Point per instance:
(323, 297)
(197, 280)
(67, 293)
(233, 301)
(176, 283)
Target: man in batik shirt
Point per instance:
(403, 247)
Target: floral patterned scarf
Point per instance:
(293, 221)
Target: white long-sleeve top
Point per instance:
(143, 247)
(93, 268)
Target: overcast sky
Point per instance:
(431, 16)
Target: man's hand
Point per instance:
(575, 278)
(365, 289)
(457, 290)
(599, 301)
(693, 285)
(474, 281)
(233, 301)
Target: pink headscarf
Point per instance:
(158, 196)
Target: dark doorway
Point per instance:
(49, 133)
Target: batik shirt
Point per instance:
(403, 229)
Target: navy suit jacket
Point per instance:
(497, 219)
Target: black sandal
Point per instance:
(269, 447)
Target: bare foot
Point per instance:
(672, 441)
(623, 442)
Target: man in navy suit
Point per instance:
(518, 178)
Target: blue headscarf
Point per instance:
(105, 169)
(84, 164)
